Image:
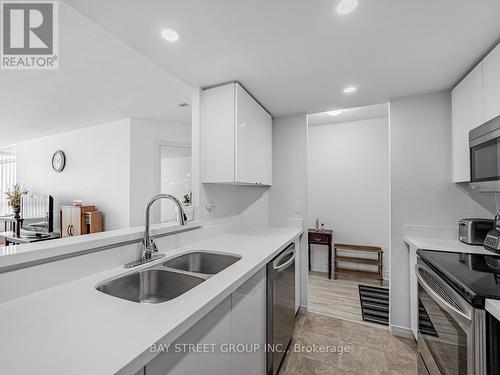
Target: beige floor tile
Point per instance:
(363, 359)
(322, 324)
(373, 350)
(303, 365)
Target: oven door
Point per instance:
(445, 327)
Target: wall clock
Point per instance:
(58, 161)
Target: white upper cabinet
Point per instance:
(217, 134)
(475, 100)
(236, 137)
(491, 79)
(467, 113)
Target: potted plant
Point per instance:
(186, 201)
(14, 198)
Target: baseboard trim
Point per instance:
(401, 332)
(303, 309)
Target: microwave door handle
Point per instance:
(463, 320)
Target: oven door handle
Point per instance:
(462, 319)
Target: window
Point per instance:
(7, 179)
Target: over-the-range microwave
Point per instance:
(484, 144)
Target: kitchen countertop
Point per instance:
(74, 329)
(445, 244)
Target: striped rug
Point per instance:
(374, 304)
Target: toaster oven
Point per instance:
(474, 231)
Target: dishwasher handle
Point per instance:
(281, 267)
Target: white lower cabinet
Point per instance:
(239, 319)
(413, 290)
(248, 326)
(213, 328)
(298, 263)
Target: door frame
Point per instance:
(158, 146)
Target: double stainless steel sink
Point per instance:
(168, 280)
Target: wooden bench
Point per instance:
(377, 262)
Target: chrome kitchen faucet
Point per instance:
(148, 246)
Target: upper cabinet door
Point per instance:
(491, 79)
(253, 140)
(236, 137)
(467, 113)
(217, 134)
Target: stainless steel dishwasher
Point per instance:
(280, 307)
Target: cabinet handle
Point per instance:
(72, 230)
(67, 230)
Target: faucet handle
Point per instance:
(152, 245)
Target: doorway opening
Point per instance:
(175, 179)
(349, 213)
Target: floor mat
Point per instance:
(374, 304)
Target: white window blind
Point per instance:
(7, 179)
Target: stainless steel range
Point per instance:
(451, 319)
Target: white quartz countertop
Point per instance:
(75, 329)
(445, 244)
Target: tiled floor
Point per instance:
(337, 298)
(372, 350)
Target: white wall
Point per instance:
(348, 178)
(97, 169)
(115, 166)
(289, 190)
(146, 136)
(421, 188)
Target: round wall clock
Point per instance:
(58, 161)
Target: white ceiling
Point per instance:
(349, 114)
(296, 55)
(100, 79)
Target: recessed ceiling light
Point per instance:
(335, 112)
(170, 34)
(350, 89)
(346, 6)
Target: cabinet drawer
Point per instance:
(319, 238)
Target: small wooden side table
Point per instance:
(321, 237)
